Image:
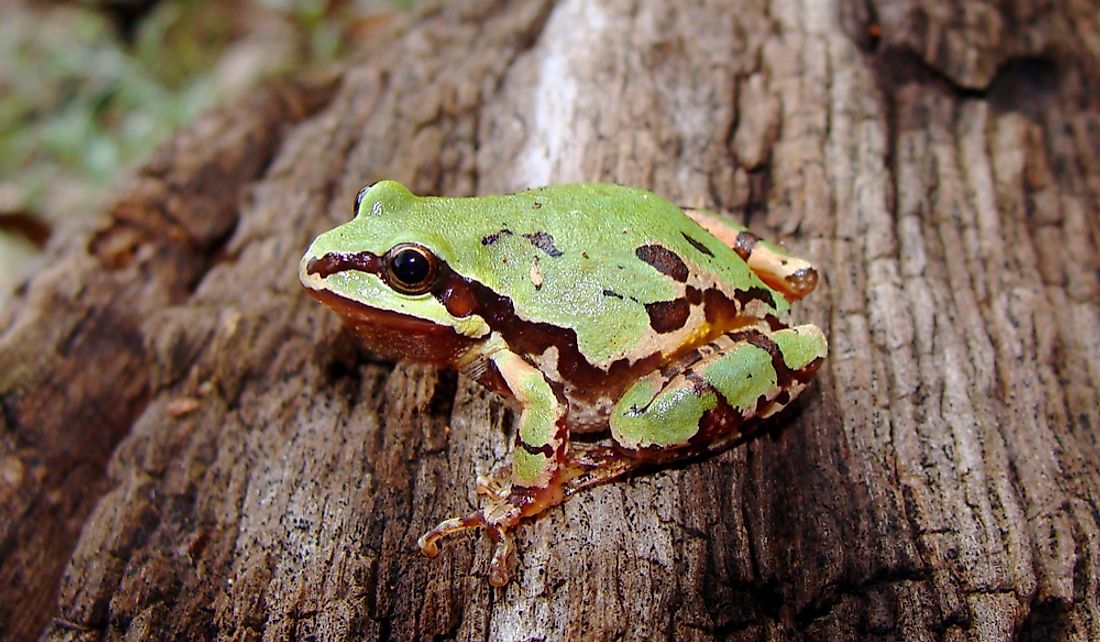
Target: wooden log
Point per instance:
(256, 475)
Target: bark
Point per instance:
(192, 449)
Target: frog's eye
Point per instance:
(410, 269)
(359, 199)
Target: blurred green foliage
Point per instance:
(79, 100)
(76, 102)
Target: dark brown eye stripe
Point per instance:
(664, 261)
(334, 262)
(454, 293)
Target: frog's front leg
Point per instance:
(534, 483)
(700, 403)
(792, 276)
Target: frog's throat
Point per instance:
(396, 335)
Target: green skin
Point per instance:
(593, 307)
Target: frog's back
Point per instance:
(617, 265)
(582, 216)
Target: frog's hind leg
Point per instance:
(593, 464)
(701, 403)
(792, 276)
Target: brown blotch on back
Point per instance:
(544, 242)
(667, 316)
(664, 261)
(546, 450)
(756, 293)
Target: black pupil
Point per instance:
(410, 267)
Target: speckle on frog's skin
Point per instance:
(612, 293)
(664, 261)
(699, 385)
(544, 242)
(495, 236)
(536, 274)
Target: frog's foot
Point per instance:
(500, 512)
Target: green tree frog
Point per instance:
(593, 308)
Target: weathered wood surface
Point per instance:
(254, 475)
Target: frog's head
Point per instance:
(386, 272)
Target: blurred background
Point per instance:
(88, 89)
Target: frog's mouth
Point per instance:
(394, 334)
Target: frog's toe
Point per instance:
(502, 555)
(497, 518)
(428, 541)
(496, 488)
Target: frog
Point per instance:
(650, 332)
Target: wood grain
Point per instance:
(257, 476)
